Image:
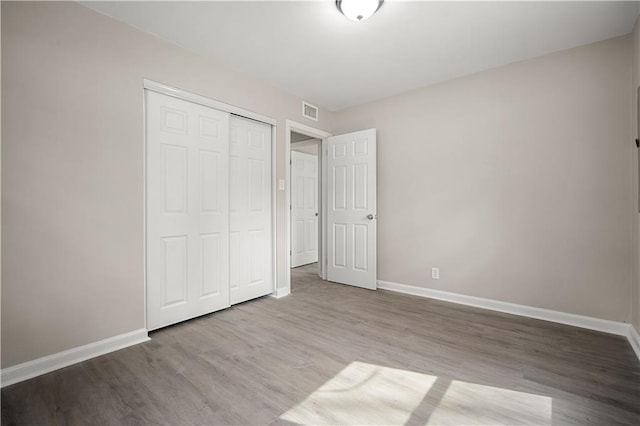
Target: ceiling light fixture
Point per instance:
(358, 10)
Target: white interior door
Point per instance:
(351, 209)
(250, 235)
(187, 209)
(304, 208)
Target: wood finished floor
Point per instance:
(335, 354)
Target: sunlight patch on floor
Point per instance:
(371, 394)
(363, 394)
(473, 404)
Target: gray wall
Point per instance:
(516, 182)
(72, 195)
(309, 146)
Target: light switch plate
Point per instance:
(435, 273)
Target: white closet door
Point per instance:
(187, 210)
(250, 209)
(304, 208)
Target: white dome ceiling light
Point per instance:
(358, 10)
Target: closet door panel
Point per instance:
(250, 215)
(187, 167)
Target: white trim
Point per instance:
(634, 340)
(312, 133)
(49, 363)
(287, 206)
(144, 204)
(597, 324)
(323, 209)
(303, 129)
(198, 99)
(281, 292)
(274, 223)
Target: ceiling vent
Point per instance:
(309, 111)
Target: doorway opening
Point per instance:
(346, 229)
(305, 236)
(306, 180)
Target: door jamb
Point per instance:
(316, 134)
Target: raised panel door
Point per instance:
(351, 210)
(304, 208)
(187, 238)
(250, 214)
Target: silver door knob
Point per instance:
(370, 216)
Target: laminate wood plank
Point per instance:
(330, 351)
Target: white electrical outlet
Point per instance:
(435, 273)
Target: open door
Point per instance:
(351, 209)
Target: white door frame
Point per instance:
(212, 103)
(315, 134)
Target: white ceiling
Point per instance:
(309, 49)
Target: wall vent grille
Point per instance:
(310, 111)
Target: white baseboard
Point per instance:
(597, 324)
(634, 339)
(281, 292)
(49, 363)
